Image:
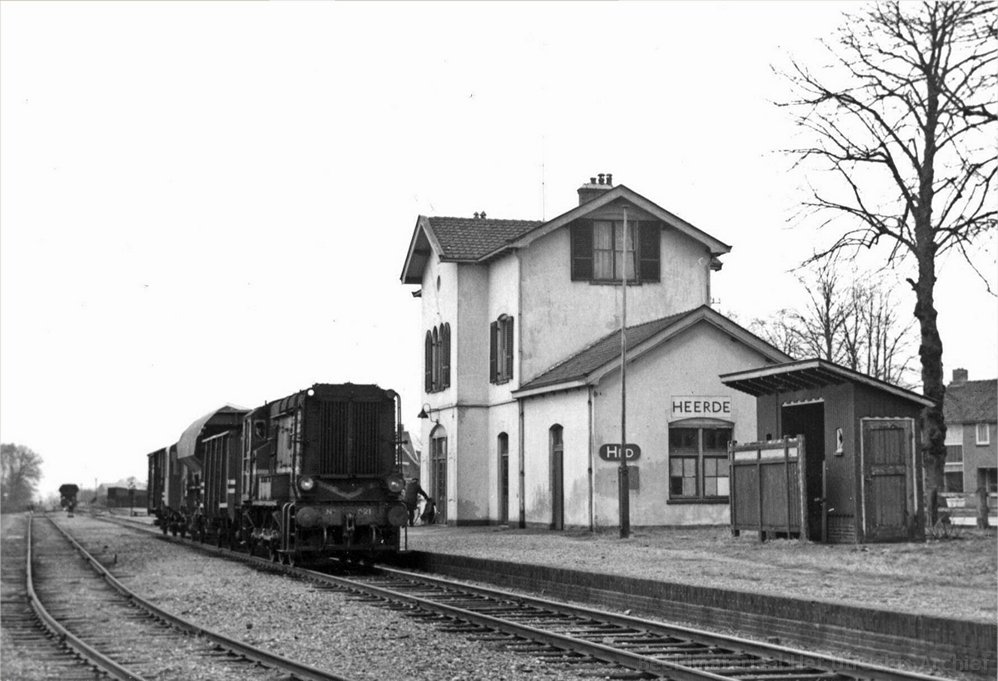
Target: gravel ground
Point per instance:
(953, 577)
(321, 628)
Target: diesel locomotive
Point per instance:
(313, 475)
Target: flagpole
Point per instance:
(623, 484)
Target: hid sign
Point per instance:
(612, 452)
(694, 406)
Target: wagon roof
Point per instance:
(187, 444)
(810, 373)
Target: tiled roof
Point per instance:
(602, 351)
(971, 402)
(474, 238)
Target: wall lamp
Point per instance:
(424, 413)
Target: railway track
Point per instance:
(128, 637)
(576, 635)
(31, 649)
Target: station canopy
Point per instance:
(808, 374)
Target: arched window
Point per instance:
(438, 471)
(436, 359)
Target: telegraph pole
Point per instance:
(623, 484)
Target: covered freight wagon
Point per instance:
(857, 475)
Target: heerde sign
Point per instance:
(692, 406)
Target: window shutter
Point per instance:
(445, 356)
(428, 363)
(435, 374)
(508, 328)
(493, 350)
(649, 247)
(582, 250)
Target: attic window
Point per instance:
(597, 251)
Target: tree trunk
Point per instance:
(931, 353)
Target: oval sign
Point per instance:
(612, 452)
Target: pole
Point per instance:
(623, 484)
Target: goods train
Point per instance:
(313, 475)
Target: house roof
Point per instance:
(809, 373)
(603, 356)
(456, 239)
(971, 402)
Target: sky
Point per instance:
(204, 203)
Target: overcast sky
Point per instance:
(211, 203)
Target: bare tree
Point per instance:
(904, 120)
(20, 471)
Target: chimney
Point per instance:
(594, 189)
(959, 376)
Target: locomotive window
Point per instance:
(260, 429)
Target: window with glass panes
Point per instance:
(698, 463)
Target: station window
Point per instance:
(698, 463)
(597, 251)
(436, 365)
(501, 350)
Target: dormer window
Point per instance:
(598, 246)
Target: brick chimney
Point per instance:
(960, 377)
(596, 187)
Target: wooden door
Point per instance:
(887, 489)
(557, 479)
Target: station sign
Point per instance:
(701, 406)
(612, 452)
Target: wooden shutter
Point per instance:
(428, 363)
(582, 250)
(445, 356)
(493, 350)
(508, 330)
(649, 247)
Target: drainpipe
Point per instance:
(523, 502)
(519, 380)
(592, 435)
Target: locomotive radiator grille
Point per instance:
(365, 438)
(348, 442)
(333, 438)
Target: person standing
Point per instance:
(411, 497)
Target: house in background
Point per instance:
(521, 383)
(971, 412)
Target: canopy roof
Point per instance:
(807, 374)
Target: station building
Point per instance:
(521, 404)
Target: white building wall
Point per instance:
(470, 336)
(504, 418)
(570, 410)
(687, 365)
(561, 317)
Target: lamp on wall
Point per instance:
(425, 412)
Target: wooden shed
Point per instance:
(860, 474)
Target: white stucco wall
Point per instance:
(504, 418)
(687, 365)
(561, 316)
(570, 410)
(470, 336)
(504, 298)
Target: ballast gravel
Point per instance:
(326, 629)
